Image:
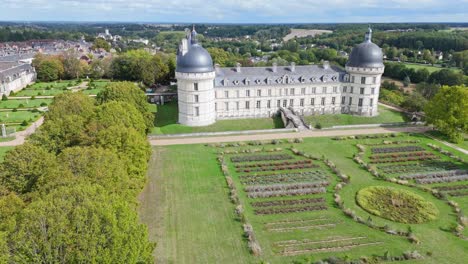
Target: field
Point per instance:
(430, 68)
(166, 123)
(300, 33)
(59, 87)
(295, 202)
(24, 103)
(386, 115)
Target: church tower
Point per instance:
(195, 83)
(362, 85)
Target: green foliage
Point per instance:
(70, 104)
(80, 223)
(114, 113)
(428, 90)
(128, 92)
(448, 111)
(414, 103)
(4, 97)
(393, 97)
(100, 43)
(396, 204)
(24, 166)
(48, 67)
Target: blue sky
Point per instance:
(236, 11)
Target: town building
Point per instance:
(16, 72)
(207, 92)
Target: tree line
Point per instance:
(134, 65)
(68, 195)
(442, 77)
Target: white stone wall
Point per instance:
(17, 84)
(195, 92)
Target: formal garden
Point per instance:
(378, 198)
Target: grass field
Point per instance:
(386, 115)
(441, 136)
(3, 151)
(430, 68)
(186, 206)
(18, 117)
(167, 115)
(27, 103)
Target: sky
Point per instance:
(236, 11)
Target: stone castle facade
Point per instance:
(207, 92)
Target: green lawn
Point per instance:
(37, 92)
(187, 209)
(167, 115)
(386, 115)
(18, 117)
(27, 103)
(430, 68)
(3, 151)
(439, 135)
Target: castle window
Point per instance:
(247, 105)
(344, 89)
(333, 100)
(363, 80)
(278, 103)
(312, 101)
(226, 106)
(269, 104)
(291, 102)
(372, 90)
(374, 80)
(352, 89)
(301, 103)
(313, 90)
(286, 91)
(360, 102)
(259, 92)
(371, 103)
(335, 89)
(323, 101)
(324, 89)
(362, 90)
(196, 98)
(247, 93)
(343, 100)
(237, 94)
(216, 106)
(352, 79)
(350, 101)
(195, 86)
(292, 91)
(197, 111)
(258, 104)
(285, 103)
(303, 90)
(226, 94)
(269, 92)
(237, 105)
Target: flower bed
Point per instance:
(290, 192)
(280, 168)
(401, 155)
(394, 160)
(452, 187)
(437, 174)
(396, 204)
(289, 202)
(417, 167)
(286, 210)
(306, 176)
(270, 164)
(396, 149)
(249, 158)
(458, 193)
(455, 178)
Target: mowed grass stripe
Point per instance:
(198, 222)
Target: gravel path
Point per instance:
(21, 136)
(302, 134)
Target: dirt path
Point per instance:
(22, 135)
(302, 134)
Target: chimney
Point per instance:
(274, 67)
(238, 67)
(326, 65)
(293, 67)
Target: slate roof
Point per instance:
(258, 76)
(12, 70)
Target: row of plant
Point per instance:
(293, 251)
(280, 168)
(289, 202)
(257, 143)
(249, 151)
(290, 192)
(288, 243)
(417, 167)
(405, 159)
(437, 174)
(303, 176)
(285, 187)
(400, 155)
(456, 178)
(253, 243)
(272, 164)
(452, 187)
(457, 193)
(250, 158)
(365, 136)
(289, 209)
(445, 152)
(315, 226)
(396, 149)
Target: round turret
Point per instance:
(366, 54)
(195, 60)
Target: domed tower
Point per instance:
(362, 84)
(195, 76)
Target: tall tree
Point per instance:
(448, 111)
